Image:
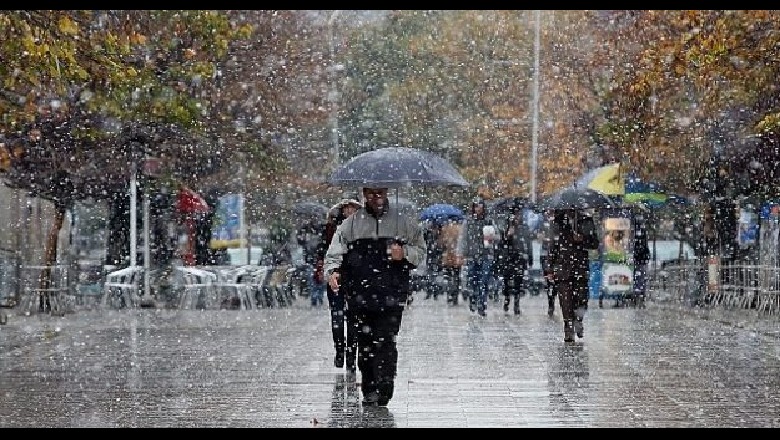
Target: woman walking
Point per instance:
(344, 336)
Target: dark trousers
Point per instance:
(549, 287)
(433, 288)
(514, 276)
(343, 326)
(514, 281)
(378, 354)
(452, 276)
(572, 294)
(640, 282)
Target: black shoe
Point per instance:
(371, 399)
(482, 313)
(338, 361)
(517, 310)
(568, 332)
(472, 307)
(506, 306)
(579, 329)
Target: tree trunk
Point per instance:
(50, 252)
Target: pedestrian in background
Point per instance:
(517, 255)
(451, 261)
(433, 255)
(641, 259)
(309, 237)
(572, 235)
(369, 260)
(544, 260)
(477, 245)
(343, 326)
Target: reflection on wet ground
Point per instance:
(656, 367)
(346, 410)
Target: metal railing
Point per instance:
(9, 282)
(730, 286)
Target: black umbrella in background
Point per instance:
(506, 205)
(310, 209)
(576, 198)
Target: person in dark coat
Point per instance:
(641, 259)
(517, 254)
(572, 236)
(433, 256)
(544, 259)
(309, 237)
(370, 260)
(343, 326)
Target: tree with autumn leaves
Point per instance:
(659, 91)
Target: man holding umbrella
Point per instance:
(571, 236)
(369, 261)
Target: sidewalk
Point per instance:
(663, 366)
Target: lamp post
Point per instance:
(133, 214)
(333, 117)
(535, 108)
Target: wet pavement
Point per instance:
(662, 366)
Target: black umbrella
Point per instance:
(395, 167)
(312, 209)
(507, 204)
(576, 198)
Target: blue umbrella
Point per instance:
(441, 212)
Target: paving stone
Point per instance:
(662, 366)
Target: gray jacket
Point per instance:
(471, 243)
(362, 225)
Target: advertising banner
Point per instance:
(226, 228)
(748, 228)
(617, 272)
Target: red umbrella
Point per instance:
(190, 202)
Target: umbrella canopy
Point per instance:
(190, 202)
(576, 198)
(608, 179)
(441, 212)
(314, 209)
(507, 204)
(395, 167)
(649, 193)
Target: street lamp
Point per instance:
(535, 107)
(333, 70)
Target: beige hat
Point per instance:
(344, 202)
